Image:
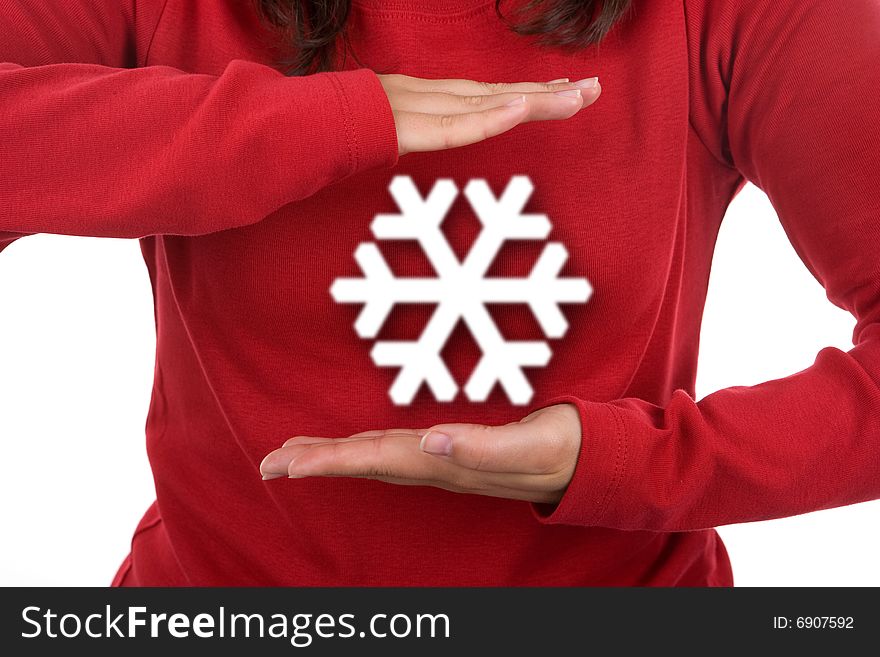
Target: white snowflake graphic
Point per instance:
(461, 290)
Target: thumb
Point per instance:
(514, 447)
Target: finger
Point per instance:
(308, 440)
(476, 88)
(518, 447)
(397, 456)
(390, 455)
(432, 132)
(372, 433)
(276, 461)
(542, 106)
(300, 440)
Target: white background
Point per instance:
(76, 364)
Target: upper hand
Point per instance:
(432, 115)
(533, 459)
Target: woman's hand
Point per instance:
(532, 459)
(432, 115)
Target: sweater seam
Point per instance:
(727, 165)
(395, 12)
(140, 530)
(350, 132)
(691, 126)
(620, 461)
(146, 57)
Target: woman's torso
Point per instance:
(253, 349)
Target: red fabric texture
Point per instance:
(166, 121)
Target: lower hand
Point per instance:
(533, 459)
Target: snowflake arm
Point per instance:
(420, 360)
(420, 220)
(502, 220)
(379, 290)
(502, 360)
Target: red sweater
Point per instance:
(165, 121)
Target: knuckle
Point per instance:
(378, 449)
(457, 480)
(446, 121)
(492, 87)
(375, 464)
(473, 101)
(464, 483)
(378, 470)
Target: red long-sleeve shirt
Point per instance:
(164, 120)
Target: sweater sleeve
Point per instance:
(94, 144)
(787, 98)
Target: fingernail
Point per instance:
(291, 470)
(557, 81)
(437, 443)
(274, 465)
(569, 93)
(587, 83)
(519, 100)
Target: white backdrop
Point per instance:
(76, 365)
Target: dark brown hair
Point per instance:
(311, 29)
